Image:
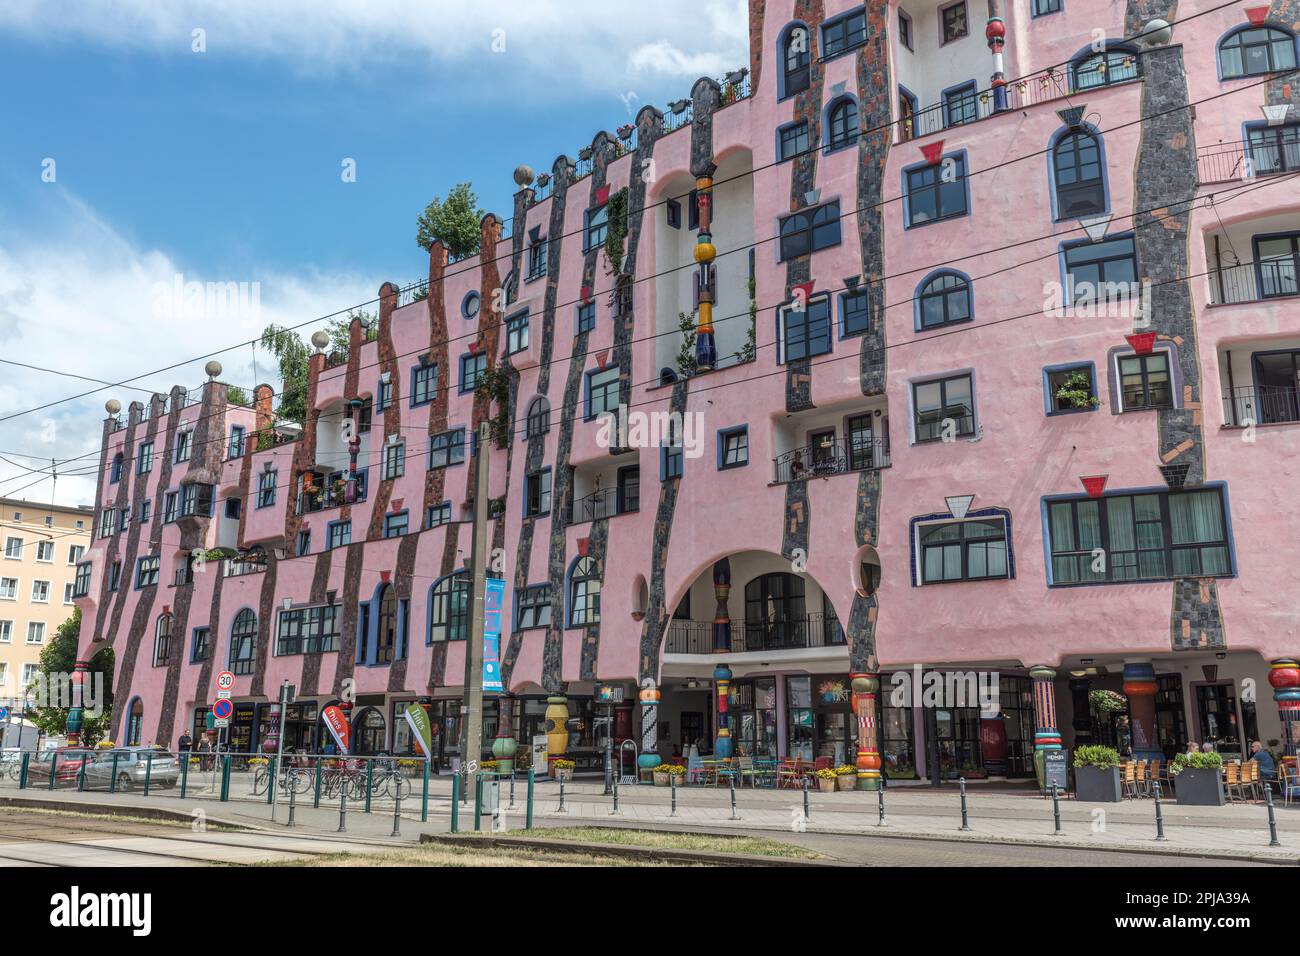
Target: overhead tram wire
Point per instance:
(479, 265)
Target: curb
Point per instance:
(110, 810)
(709, 857)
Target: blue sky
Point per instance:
(225, 165)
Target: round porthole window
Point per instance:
(469, 307)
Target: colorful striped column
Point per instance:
(649, 696)
(76, 712)
(1046, 736)
(1284, 677)
(706, 351)
(996, 34)
(1140, 689)
(722, 685)
(865, 688)
(722, 617)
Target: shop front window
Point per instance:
(1016, 699)
(369, 733)
(1216, 705)
(957, 732)
(1171, 722)
(897, 749)
(753, 717)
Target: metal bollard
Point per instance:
(616, 810)
(512, 791)
(54, 762)
(424, 800)
(965, 819)
(112, 783)
(880, 795)
(225, 776)
(1272, 823)
(1160, 820)
(26, 769)
(148, 771)
(478, 802)
(293, 795)
(806, 815)
(185, 772)
(455, 803)
(561, 810)
(370, 782)
(81, 775)
(1056, 808)
(672, 786)
(397, 814)
(343, 808)
(734, 814)
(528, 823)
(316, 798)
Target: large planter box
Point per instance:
(1095, 785)
(1199, 788)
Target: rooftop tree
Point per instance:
(456, 221)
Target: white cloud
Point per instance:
(81, 298)
(592, 42)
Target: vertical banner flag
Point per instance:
(340, 730)
(494, 600)
(418, 718)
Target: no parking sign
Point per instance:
(222, 709)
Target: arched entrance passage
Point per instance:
(368, 731)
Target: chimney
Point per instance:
(264, 416)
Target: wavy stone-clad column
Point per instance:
(320, 578)
(757, 14)
(110, 601)
(381, 491)
(874, 112)
(535, 454)
(1285, 88)
(404, 582)
(266, 607)
(350, 594)
(1166, 181)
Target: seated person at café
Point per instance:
(1267, 769)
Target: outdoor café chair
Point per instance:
(1129, 771)
(1288, 779)
(1232, 781)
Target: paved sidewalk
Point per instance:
(1233, 832)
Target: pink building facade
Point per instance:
(991, 370)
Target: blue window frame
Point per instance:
(904, 29)
(791, 141)
(1273, 149)
(114, 575)
(953, 22)
(146, 571)
(584, 592)
(961, 105)
(396, 525)
(810, 230)
(184, 446)
(449, 600)
(447, 448)
(602, 391)
(841, 124)
(933, 193)
(795, 54)
(586, 317)
(843, 34)
(536, 256)
(804, 332)
(974, 549)
(266, 488)
(236, 448)
(439, 514)
(517, 333)
(394, 464)
(1256, 51)
(1104, 271)
(533, 607)
(1070, 378)
(144, 461)
(1078, 174)
(1115, 64)
(384, 395)
(1277, 264)
(469, 306)
(116, 475)
(471, 367)
(943, 299)
(201, 645)
(303, 545)
(340, 534)
(596, 225)
(855, 319)
(733, 447)
(671, 454)
(1041, 8)
(424, 384)
(537, 493)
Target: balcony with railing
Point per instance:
(1260, 405)
(1273, 278)
(809, 632)
(823, 458)
(605, 503)
(1270, 151)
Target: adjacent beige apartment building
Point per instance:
(40, 545)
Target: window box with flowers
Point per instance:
(826, 779)
(846, 777)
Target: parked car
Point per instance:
(66, 770)
(131, 766)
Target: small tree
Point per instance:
(60, 657)
(293, 355)
(455, 220)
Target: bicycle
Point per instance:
(290, 778)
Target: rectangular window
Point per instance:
(853, 313)
(843, 34)
(671, 462)
(629, 489)
(537, 494)
(340, 534)
(439, 514)
(191, 500)
(424, 384)
(81, 584)
(1103, 271)
(1071, 390)
(602, 391)
(537, 259)
(266, 489)
(236, 446)
(1043, 7)
(14, 548)
(971, 550)
(9, 589)
(793, 140)
(146, 572)
(597, 227)
(937, 192)
(1278, 259)
(41, 592)
(6, 632)
(734, 448)
(1144, 537)
(944, 408)
(68, 596)
(673, 211)
(184, 445)
(960, 105)
(471, 367)
(396, 525)
(1144, 381)
(810, 230)
(75, 551)
(124, 519)
(385, 396)
(954, 22)
(303, 542)
(35, 632)
(806, 332)
(394, 460)
(171, 506)
(146, 509)
(201, 649)
(586, 317)
(1274, 149)
(144, 461)
(45, 551)
(365, 415)
(905, 29)
(517, 333)
(447, 448)
(308, 630)
(114, 575)
(107, 523)
(533, 607)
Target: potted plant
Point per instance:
(487, 766)
(826, 778)
(1096, 774)
(676, 773)
(1076, 390)
(661, 774)
(625, 131)
(1199, 779)
(846, 777)
(562, 768)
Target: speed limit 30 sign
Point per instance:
(225, 681)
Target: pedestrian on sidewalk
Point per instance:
(184, 745)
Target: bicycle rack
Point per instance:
(626, 778)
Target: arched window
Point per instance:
(1076, 173)
(584, 592)
(243, 641)
(134, 723)
(449, 608)
(369, 733)
(795, 58)
(775, 614)
(539, 418)
(117, 468)
(1254, 51)
(162, 641)
(386, 644)
(843, 125)
(1106, 68)
(942, 300)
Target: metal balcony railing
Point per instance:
(599, 504)
(838, 457)
(1226, 162)
(1261, 405)
(1253, 281)
(810, 631)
